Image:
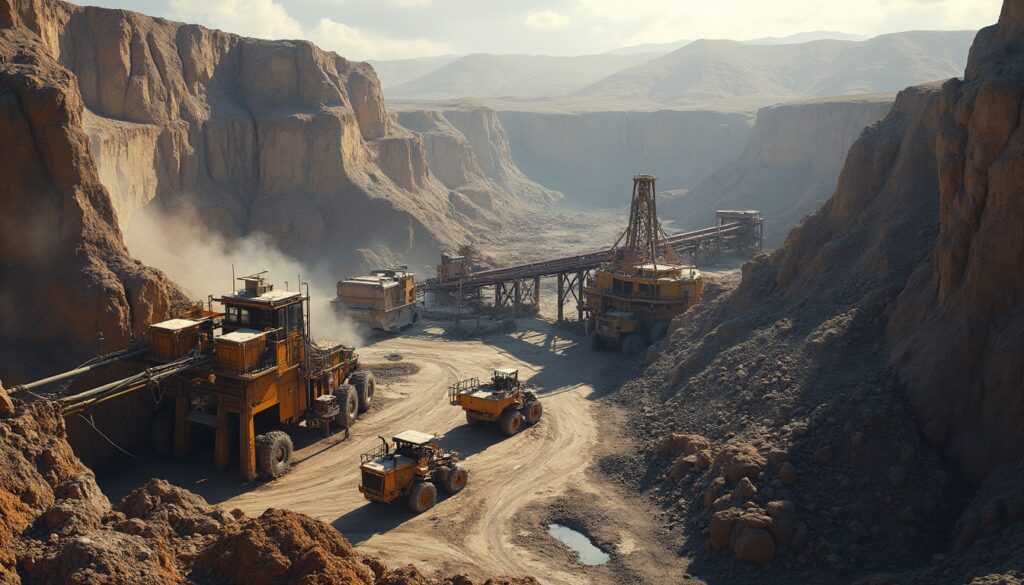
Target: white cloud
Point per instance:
(546, 20)
(263, 19)
(354, 43)
(411, 3)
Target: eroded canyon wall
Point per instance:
(958, 326)
(252, 137)
(469, 152)
(787, 170)
(590, 157)
(67, 276)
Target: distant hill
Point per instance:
(715, 70)
(521, 76)
(803, 37)
(660, 48)
(806, 37)
(397, 71)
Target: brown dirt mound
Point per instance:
(282, 547)
(56, 526)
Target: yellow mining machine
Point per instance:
(504, 400)
(414, 468)
(384, 299)
(632, 297)
(262, 369)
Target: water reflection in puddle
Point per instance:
(589, 554)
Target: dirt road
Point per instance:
(497, 524)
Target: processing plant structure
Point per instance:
(632, 296)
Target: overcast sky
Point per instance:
(392, 29)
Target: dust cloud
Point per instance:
(201, 261)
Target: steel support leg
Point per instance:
(247, 444)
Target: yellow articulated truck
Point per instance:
(504, 400)
(384, 299)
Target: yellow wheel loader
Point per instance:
(413, 469)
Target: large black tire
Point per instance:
(511, 422)
(273, 454)
(474, 420)
(422, 497)
(161, 432)
(659, 330)
(349, 399)
(633, 344)
(532, 411)
(457, 479)
(415, 317)
(365, 388)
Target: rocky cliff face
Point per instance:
(67, 275)
(591, 156)
(468, 151)
(787, 170)
(958, 326)
(905, 284)
(270, 137)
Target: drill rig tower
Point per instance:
(632, 297)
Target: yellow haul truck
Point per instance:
(633, 296)
(384, 299)
(413, 469)
(504, 400)
(262, 368)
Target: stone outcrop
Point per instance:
(789, 167)
(67, 275)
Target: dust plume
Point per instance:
(201, 260)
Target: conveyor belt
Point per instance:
(578, 263)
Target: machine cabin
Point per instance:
(262, 362)
(505, 378)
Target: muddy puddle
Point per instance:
(577, 541)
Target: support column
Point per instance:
(222, 440)
(561, 297)
(579, 296)
(181, 434)
(518, 294)
(536, 292)
(246, 443)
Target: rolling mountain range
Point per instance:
(741, 75)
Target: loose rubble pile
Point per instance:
(850, 411)
(58, 527)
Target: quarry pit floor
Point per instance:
(498, 524)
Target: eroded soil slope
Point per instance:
(835, 416)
